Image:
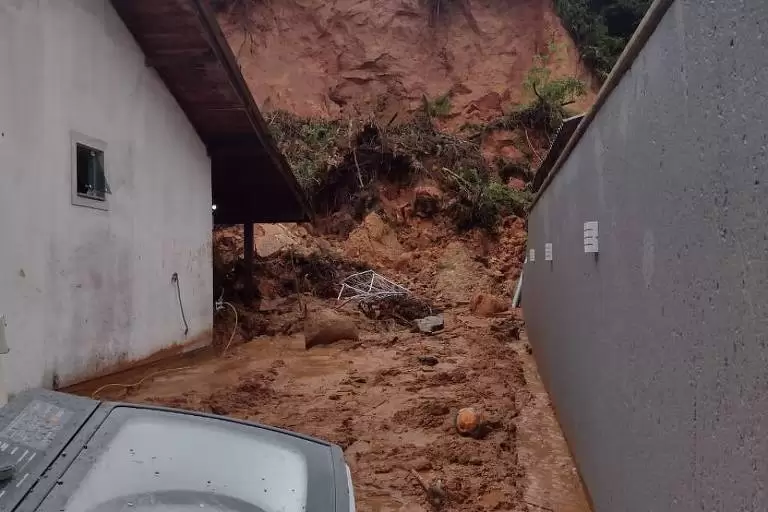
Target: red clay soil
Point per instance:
(345, 58)
(389, 408)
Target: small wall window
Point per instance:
(89, 174)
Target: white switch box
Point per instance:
(532, 255)
(548, 252)
(591, 245)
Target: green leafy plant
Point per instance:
(439, 107)
(310, 145)
(551, 97)
(482, 201)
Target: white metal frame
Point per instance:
(368, 286)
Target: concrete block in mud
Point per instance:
(327, 326)
(430, 324)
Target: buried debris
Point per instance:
(430, 324)
(369, 286)
(382, 299)
(435, 492)
(427, 202)
(428, 360)
(402, 309)
(507, 329)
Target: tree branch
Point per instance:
(531, 145)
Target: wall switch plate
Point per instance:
(548, 252)
(591, 245)
(532, 255)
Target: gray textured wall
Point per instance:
(656, 352)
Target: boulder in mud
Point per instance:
(326, 326)
(270, 239)
(428, 360)
(374, 240)
(485, 304)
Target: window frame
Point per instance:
(76, 139)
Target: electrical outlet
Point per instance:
(591, 245)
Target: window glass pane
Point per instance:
(83, 178)
(91, 178)
(101, 177)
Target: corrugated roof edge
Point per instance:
(647, 27)
(259, 125)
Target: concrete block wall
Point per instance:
(655, 351)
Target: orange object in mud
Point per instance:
(468, 421)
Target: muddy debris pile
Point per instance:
(358, 373)
(384, 377)
(342, 167)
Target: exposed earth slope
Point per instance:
(343, 58)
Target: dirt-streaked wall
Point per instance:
(656, 351)
(87, 289)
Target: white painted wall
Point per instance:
(84, 289)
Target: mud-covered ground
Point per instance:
(389, 408)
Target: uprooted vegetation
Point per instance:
(552, 96)
(482, 201)
(311, 145)
(289, 272)
(551, 99)
(339, 164)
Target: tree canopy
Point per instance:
(601, 28)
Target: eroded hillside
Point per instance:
(343, 58)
